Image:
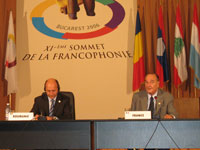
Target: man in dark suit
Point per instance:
(51, 105)
(162, 101)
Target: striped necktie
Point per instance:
(52, 107)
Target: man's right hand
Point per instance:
(36, 117)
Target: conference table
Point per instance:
(45, 135)
(100, 134)
(147, 134)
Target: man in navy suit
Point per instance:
(52, 105)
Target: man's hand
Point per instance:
(49, 118)
(167, 116)
(36, 117)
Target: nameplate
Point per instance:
(137, 114)
(20, 116)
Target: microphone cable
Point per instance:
(169, 135)
(152, 135)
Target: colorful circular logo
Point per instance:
(38, 21)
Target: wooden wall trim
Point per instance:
(5, 7)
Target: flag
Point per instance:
(161, 62)
(180, 69)
(10, 60)
(195, 49)
(138, 57)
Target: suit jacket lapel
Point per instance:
(159, 101)
(144, 101)
(46, 105)
(58, 101)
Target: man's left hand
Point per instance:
(49, 118)
(167, 116)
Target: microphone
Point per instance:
(41, 117)
(158, 115)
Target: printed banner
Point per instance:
(87, 45)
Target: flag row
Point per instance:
(180, 73)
